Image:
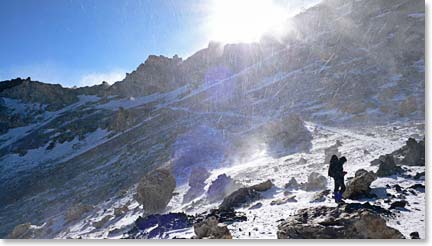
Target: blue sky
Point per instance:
(81, 42)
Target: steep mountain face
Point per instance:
(340, 62)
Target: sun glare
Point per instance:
(243, 20)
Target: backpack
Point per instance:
(332, 167)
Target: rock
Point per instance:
(159, 225)
(419, 175)
(245, 195)
(397, 188)
(415, 153)
(398, 204)
(292, 184)
(414, 235)
(121, 210)
(221, 187)
(102, 222)
(302, 161)
(256, 206)
(261, 187)
(155, 190)
(210, 228)
(320, 196)
(315, 181)
(197, 180)
(418, 187)
(283, 200)
(348, 221)
(366, 152)
(76, 212)
(359, 186)
(388, 167)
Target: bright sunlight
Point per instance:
(244, 20)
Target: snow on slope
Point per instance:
(262, 222)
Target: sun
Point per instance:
(232, 21)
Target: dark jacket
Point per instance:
(336, 168)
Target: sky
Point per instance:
(84, 42)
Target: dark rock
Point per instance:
(159, 226)
(398, 204)
(397, 188)
(419, 175)
(415, 153)
(414, 235)
(418, 187)
(388, 167)
(359, 186)
(155, 190)
(348, 221)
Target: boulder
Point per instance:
(415, 153)
(284, 200)
(211, 228)
(292, 184)
(348, 221)
(197, 180)
(155, 190)
(315, 181)
(221, 187)
(77, 211)
(387, 166)
(102, 222)
(244, 196)
(398, 204)
(256, 206)
(320, 196)
(359, 186)
(414, 235)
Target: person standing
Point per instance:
(337, 173)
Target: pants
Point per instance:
(339, 185)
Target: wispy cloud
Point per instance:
(97, 78)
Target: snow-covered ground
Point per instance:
(262, 222)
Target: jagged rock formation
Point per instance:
(350, 221)
(387, 166)
(221, 187)
(155, 190)
(292, 184)
(197, 180)
(359, 186)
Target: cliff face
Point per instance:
(340, 62)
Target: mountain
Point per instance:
(340, 63)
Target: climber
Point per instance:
(337, 173)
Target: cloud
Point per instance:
(97, 78)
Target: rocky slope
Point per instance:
(340, 63)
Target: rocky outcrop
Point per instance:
(122, 120)
(292, 184)
(349, 221)
(221, 187)
(387, 166)
(155, 190)
(27, 231)
(315, 181)
(415, 153)
(197, 180)
(359, 186)
(245, 196)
